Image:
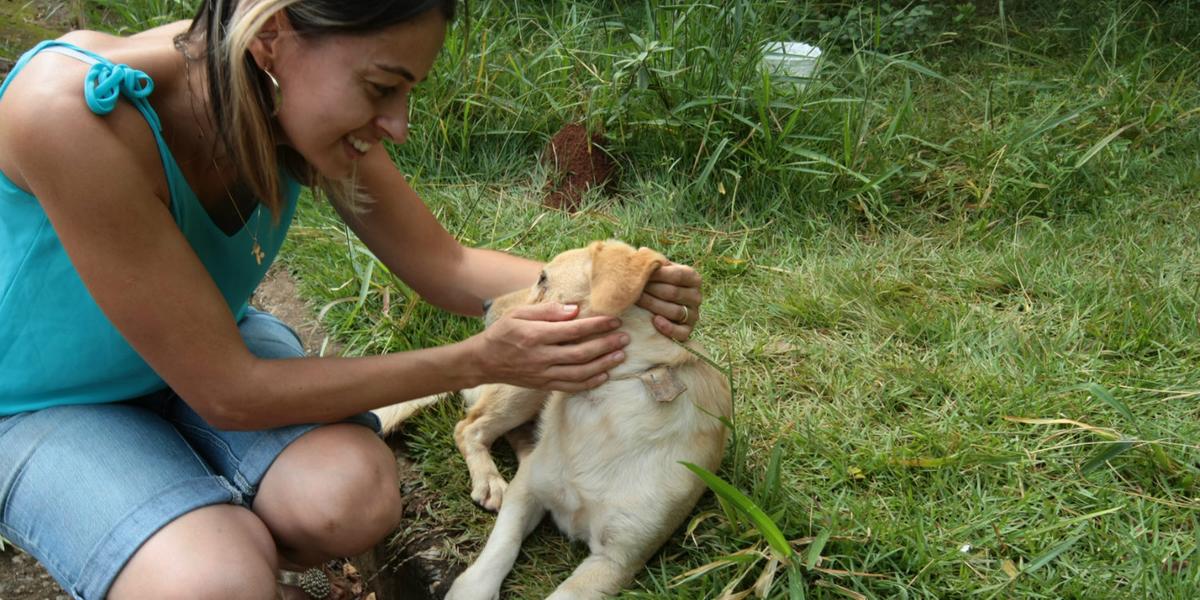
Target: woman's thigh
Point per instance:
(243, 457)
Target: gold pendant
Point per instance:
(258, 253)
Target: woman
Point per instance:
(153, 441)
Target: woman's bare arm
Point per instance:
(106, 201)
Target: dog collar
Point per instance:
(661, 382)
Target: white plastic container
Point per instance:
(791, 63)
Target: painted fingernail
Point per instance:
(618, 356)
(569, 308)
(623, 339)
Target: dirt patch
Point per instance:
(23, 24)
(575, 162)
(22, 578)
(277, 294)
(419, 560)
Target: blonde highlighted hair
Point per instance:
(240, 95)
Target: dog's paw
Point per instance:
(488, 491)
(469, 587)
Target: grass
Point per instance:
(955, 279)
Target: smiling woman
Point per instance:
(166, 426)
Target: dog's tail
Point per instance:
(391, 417)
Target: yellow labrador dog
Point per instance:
(606, 461)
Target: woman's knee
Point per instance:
(218, 552)
(333, 492)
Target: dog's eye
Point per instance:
(542, 279)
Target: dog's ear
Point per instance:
(619, 274)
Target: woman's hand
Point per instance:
(673, 295)
(543, 346)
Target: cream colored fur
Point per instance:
(606, 462)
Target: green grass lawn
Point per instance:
(955, 280)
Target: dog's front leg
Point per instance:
(499, 410)
(521, 513)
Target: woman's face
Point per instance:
(343, 94)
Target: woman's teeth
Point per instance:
(358, 144)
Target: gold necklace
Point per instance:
(256, 249)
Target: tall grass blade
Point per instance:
(1050, 123)
(1053, 553)
(1106, 396)
(814, 549)
(795, 583)
(1100, 146)
(907, 64)
(1108, 451)
(765, 526)
(771, 479)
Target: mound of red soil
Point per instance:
(576, 162)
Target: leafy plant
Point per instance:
(884, 28)
(136, 15)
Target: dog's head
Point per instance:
(605, 278)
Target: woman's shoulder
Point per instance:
(50, 80)
(52, 74)
(117, 47)
(46, 123)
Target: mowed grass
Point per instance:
(955, 280)
(956, 284)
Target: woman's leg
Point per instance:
(331, 493)
(145, 499)
(218, 552)
(101, 493)
(323, 491)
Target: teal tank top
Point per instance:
(56, 346)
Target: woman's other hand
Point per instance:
(673, 294)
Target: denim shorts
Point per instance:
(83, 486)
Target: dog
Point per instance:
(606, 462)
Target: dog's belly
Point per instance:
(611, 464)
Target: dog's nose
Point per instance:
(486, 305)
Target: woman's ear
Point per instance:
(265, 45)
(619, 274)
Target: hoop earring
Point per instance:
(276, 94)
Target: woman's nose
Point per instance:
(394, 122)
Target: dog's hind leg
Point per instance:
(599, 576)
(523, 440)
(521, 513)
(621, 541)
(500, 409)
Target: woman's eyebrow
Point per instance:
(398, 70)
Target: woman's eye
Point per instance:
(382, 90)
